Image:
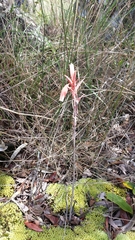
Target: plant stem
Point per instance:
(75, 110)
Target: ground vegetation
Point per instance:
(37, 45)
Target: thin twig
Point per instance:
(25, 114)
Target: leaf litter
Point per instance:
(115, 163)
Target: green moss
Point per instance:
(6, 185)
(52, 234)
(9, 215)
(61, 194)
(128, 236)
(12, 224)
(17, 232)
(12, 227)
(94, 187)
(92, 227)
(124, 237)
(66, 234)
(95, 220)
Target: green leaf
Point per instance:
(129, 185)
(133, 191)
(120, 202)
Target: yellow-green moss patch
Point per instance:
(12, 223)
(61, 194)
(6, 185)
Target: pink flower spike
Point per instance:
(64, 92)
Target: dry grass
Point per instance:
(31, 81)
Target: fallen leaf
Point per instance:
(75, 221)
(129, 225)
(124, 217)
(92, 202)
(36, 209)
(53, 178)
(33, 226)
(113, 224)
(3, 147)
(106, 223)
(53, 219)
(87, 173)
(129, 199)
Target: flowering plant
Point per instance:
(72, 86)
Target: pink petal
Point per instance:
(79, 84)
(69, 80)
(73, 76)
(72, 70)
(64, 92)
